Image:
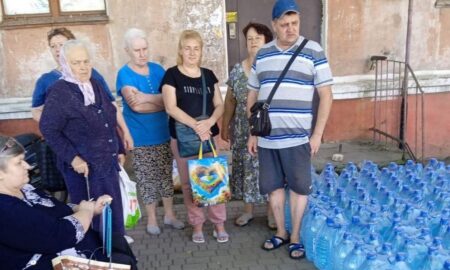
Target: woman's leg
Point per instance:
(143, 164)
(166, 189)
(195, 217)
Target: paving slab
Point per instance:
(173, 249)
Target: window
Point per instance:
(28, 13)
(442, 3)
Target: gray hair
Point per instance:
(9, 148)
(75, 43)
(131, 34)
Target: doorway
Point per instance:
(261, 11)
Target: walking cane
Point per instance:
(87, 188)
(89, 195)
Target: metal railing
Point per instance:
(398, 110)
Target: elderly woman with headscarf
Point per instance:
(79, 123)
(56, 39)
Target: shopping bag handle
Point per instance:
(200, 150)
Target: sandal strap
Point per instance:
(296, 246)
(277, 241)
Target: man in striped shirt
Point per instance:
(285, 155)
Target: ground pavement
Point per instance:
(173, 249)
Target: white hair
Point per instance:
(76, 43)
(131, 34)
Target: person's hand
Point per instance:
(252, 145)
(101, 202)
(128, 142)
(205, 136)
(203, 126)
(136, 97)
(80, 166)
(315, 142)
(121, 159)
(87, 206)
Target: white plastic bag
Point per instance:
(130, 204)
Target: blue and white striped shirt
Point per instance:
(291, 107)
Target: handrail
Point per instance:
(393, 107)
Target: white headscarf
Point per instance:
(67, 75)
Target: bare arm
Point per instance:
(229, 109)
(203, 127)
(36, 113)
(124, 131)
(170, 102)
(252, 144)
(87, 209)
(326, 99)
(140, 102)
(252, 97)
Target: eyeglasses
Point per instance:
(9, 144)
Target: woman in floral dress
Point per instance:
(244, 178)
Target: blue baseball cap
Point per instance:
(281, 7)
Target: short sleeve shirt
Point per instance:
(146, 128)
(190, 95)
(291, 109)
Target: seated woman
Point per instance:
(79, 123)
(35, 228)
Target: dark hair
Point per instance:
(260, 29)
(60, 31)
(9, 148)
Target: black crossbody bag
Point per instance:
(259, 118)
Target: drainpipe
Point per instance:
(403, 116)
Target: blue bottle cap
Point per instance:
(409, 162)
(392, 166)
(437, 241)
(371, 255)
(400, 256)
(447, 265)
(386, 248)
(347, 236)
(432, 249)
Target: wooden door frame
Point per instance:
(323, 34)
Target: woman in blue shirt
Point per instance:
(138, 82)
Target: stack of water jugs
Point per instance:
(366, 218)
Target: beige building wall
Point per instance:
(25, 56)
(359, 29)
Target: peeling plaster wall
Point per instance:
(359, 29)
(25, 55)
(163, 21)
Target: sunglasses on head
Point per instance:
(9, 144)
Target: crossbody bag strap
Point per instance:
(204, 89)
(283, 73)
